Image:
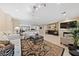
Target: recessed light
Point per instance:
(29, 9)
(16, 10)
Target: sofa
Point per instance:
(6, 48)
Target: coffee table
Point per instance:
(36, 39)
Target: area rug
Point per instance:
(43, 49)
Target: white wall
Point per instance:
(6, 23)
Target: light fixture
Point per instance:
(17, 29)
(64, 12)
(37, 6)
(43, 4)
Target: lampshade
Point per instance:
(17, 28)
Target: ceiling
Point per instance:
(51, 13)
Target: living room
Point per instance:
(38, 29)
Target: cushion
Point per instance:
(5, 42)
(2, 45)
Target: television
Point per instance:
(71, 24)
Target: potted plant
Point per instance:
(75, 36)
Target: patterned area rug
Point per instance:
(44, 48)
